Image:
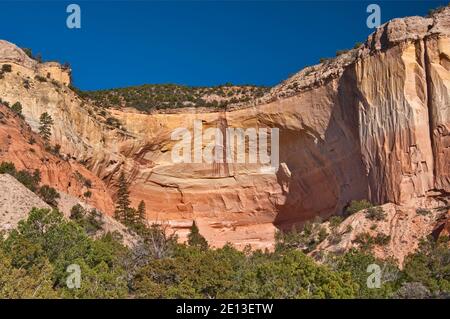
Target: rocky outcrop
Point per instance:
(402, 228)
(372, 123)
(26, 150)
(16, 202)
(442, 228)
(51, 71)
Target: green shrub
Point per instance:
(423, 212)
(228, 273)
(91, 221)
(28, 52)
(335, 237)
(77, 212)
(365, 241)
(26, 84)
(40, 78)
(163, 96)
(83, 180)
(45, 244)
(430, 265)
(56, 83)
(17, 108)
(382, 239)
(375, 213)
(88, 183)
(356, 206)
(340, 52)
(94, 221)
(30, 181)
(112, 121)
(49, 195)
(55, 150)
(6, 68)
(7, 168)
(306, 240)
(336, 221)
(87, 194)
(357, 263)
(5, 103)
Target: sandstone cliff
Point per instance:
(23, 147)
(373, 123)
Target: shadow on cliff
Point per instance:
(326, 170)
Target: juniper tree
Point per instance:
(141, 213)
(196, 239)
(17, 108)
(46, 123)
(130, 218)
(49, 195)
(123, 200)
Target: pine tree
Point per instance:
(141, 213)
(196, 239)
(123, 200)
(46, 123)
(130, 217)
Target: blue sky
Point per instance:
(123, 43)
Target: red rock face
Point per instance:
(443, 227)
(372, 123)
(404, 227)
(15, 147)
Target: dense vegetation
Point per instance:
(163, 96)
(34, 261)
(38, 257)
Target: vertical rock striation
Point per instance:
(372, 123)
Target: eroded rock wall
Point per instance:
(372, 123)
